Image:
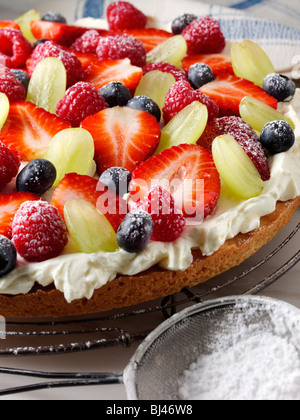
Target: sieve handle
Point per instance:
(61, 380)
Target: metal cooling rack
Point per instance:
(122, 328)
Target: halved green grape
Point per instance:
(185, 128)
(251, 62)
(89, 228)
(48, 84)
(258, 114)
(24, 23)
(171, 51)
(236, 168)
(71, 150)
(4, 109)
(155, 85)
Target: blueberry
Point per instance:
(22, 76)
(117, 180)
(40, 41)
(200, 74)
(54, 17)
(144, 103)
(280, 87)
(115, 94)
(8, 256)
(181, 22)
(277, 137)
(37, 177)
(135, 231)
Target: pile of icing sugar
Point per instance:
(250, 363)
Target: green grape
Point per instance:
(4, 109)
(236, 168)
(185, 128)
(89, 228)
(48, 84)
(258, 114)
(155, 85)
(71, 150)
(251, 62)
(24, 23)
(171, 51)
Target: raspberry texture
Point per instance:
(123, 15)
(79, 102)
(166, 68)
(168, 220)
(68, 58)
(117, 47)
(181, 95)
(9, 165)
(204, 36)
(11, 86)
(39, 232)
(14, 48)
(87, 43)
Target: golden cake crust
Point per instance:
(153, 283)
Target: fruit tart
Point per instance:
(136, 161)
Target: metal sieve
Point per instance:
(159, 362)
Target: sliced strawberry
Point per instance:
(81, 187)
(228, 90)
(28, 130)
(188, 172)
(59, 32)
(219, 63)
(105, 71)
(123, 137)
(9, 205)
(87, 60)
(9, 24)
(150, 37)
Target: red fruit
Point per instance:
(219, 63)
(166, 68)
(59, 33)
(150, 37)
(68, 58)
(28, 130)
(9, 205)
(181, 95)
(9, 165)
(9, 24)
(204, 36)
(228, 90)
(11, 86)
(123, 15)
(14, 48)
(87, 60)
(168, 220)
(106, 71)
(116, 47)
(79, 102)
(188, 171)
(39, 232)
(81, 187)
(87, 43)
(123, 137)
(244, 135)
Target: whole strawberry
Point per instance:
(123, 15)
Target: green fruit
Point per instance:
(4, 109)
(24, 23)
(171, 51)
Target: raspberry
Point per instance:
(14, 48)
(39, 232)
(9, 165)
(69, 60)
(168, 220)
(204, 36)
(87, 43)
(117, 47)
(80, 101)
(123, 15)
(166, 68)
(181, 95)
(11, 86)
